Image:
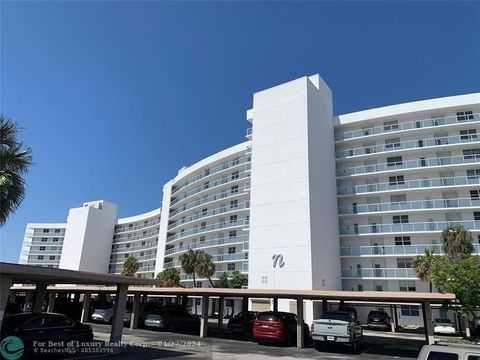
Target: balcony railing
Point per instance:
(215, 258)
(406, 227)
(120, 250)
(213, 212)
(410, 184)
(211, 185)
(409, 205)
(205, 173)
(139, 258)
(222, 195)
(44, 252)
(47, 235)
(409, 144)
(46, 243)
(215, 276)
(409, 164)
(396, 273)
(249, 133)
(395, 250)
(44, 261)
(207, 243)
(411, 125)
(124, 228)
(117, 240)
(211, 227)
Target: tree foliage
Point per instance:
(14, 163)
(424, 266)
(170, 277)
(457, 242)
(238, 280)
(205, 267)
(130, 267)
(223, 281)
(189, 262)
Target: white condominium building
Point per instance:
(311, 200)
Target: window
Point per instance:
(206, 185)
(233, 219)
(235, 161)
(402, 240)
(392, 143)
(204, 212)
(231, 267)
(46, 230)
(390, 125)
(398, 198)
(126, 256)
(42, 248)
(130, 226)
(470, 154)
(396, 180)
(206, 172)
(476, 215)
(44, 239)
(57, 231)
(232, 250)
(464, 116)
(394, 161)
(142, 253)
(473, 174)
(404, 263)
(198, 284)
(203, 225)
(234, 189)
(235, 175)
(55, 239)
(232, 234)
(400, 219)
(52, 257)
(359, 287)
(378, 288)
(468, 134)
(407, 285)
(202, 239)
(128, 245)
(143, 243)
(474, 194)
(40, 257)
(437, 355)
(408, 310)
(233, 204)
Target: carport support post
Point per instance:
(221, 310)
(427, 323)
(51, 301)
(300, 334)
(275, 304)
(135, 311)
(395, 316)
(393, 323)
(245, 303)
(118, 315)
(86, 306)
(40, 292)
(204, 319)
(5, 284)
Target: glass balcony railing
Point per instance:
(44, 261)
(210, 198)
(409, 144)
(123, 249)
(396, 273)
(207, 243)
(215, 276)
(47, 235)
(410, 184)
(135, 237)
(215, 258)
(409, 164)
(46, 243)
(409, 205)
(249, 133)
(209, 172)
(212, 227)
(411, 125)
(125, 228)
(406, 227)
(210, 185)
(139, 258)
(394, 250)
(213, 212)
(44, 252)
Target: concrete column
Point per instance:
(393, 324)
(395, 316)
(86, 306)
(275, 304)
(427, 323)
(118, 315)
(204, 319)
(51, 301)
(40, 292)
(300, 334)
(245, 303)
(28, 299)
(144, 298)
(221, 310)
(5, 284)
(135, 311)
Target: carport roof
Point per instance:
(28, 274)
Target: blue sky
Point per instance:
(115, 97)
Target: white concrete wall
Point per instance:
(162, 236)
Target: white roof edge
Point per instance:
(139, 217)
(46, 225)
(404, 108)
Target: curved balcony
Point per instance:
(123, 228)
(215, 276)
(434, 226)
(127, 239)
(211, 198)
(415, 205)
(394, 250)
(44, 252)
(375, 273)
(47, 243)
(407, 126)
(220, 210)
(139, 258)
(209, 172)
(44, 261)
(47, 235)
(208, 243)
(207, 228)
(141, 269)
(409, 164)
(210, 186)
(408, 145)
(215, 258)
(123, 250)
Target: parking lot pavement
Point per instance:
(144, 344)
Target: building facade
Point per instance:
(311, 200)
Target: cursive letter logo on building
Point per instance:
(278, 260)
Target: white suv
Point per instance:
(450, 352)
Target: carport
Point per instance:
(119, 285)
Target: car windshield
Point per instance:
(104, 307)
(336, 316)
(267, 317)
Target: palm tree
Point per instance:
(424, 265)
(170, 277)
(189, 262)
(205, 266)
(239, 280)
(457, 242)
(223, 281)
(14, 163)
(130, 267)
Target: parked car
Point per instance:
(68, 307)
(443, 326)
(378, 320)
(171, 319)
(449, 352)
(243, 321)
(44, 327)
(277, 326)
(12, 308)
(103, 313)
(337, 327)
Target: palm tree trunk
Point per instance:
(211, 283)
(195, 285)
(430, 283)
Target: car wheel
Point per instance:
(318, 345)
(171, 326)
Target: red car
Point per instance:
(277, 326)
